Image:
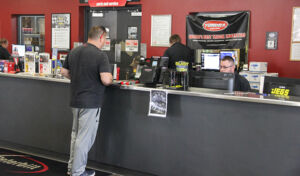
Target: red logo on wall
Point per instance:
(214, 25)
(107, 3)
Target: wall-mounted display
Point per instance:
(61, 31)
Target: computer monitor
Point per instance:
(212, 80)
(281, 86)
(29, 48)
(154, 63)
(18, 50)
(154, 71)
(210, 61)
(228, 53)
(163, 69)
(164, 61)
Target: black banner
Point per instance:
(218, 30)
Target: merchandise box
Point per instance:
(258, 66)
(255, 76)
(245, 74)
(252, 76)
(254, 85)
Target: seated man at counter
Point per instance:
(178, 52)
(4, 54)
(240, 83)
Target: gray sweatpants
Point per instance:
(84, 130)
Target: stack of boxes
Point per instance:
(255, 75)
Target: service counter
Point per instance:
(206, 132)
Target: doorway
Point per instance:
(123, 24)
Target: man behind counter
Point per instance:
(4, 54)
(240, 83)
(178, 52)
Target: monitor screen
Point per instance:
(212, 80)
(154, 63)
(18, 50)
(164, 61)
(29, 48)
(228, 53)
(210, 61)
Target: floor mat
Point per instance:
(17, 164)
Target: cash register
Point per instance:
(153, 71)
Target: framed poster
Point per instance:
(161, 30)
(295, 40)
(61, 25)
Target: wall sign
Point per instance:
(160, 30)
(61, 31)
(295, 41)
(107, 3)
(106, 46)
(132, 32)
(132, 45)
(217, 30)
(271, 40)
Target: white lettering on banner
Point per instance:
(215, 25)
(107, 4)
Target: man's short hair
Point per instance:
(3, 41)
(228, 58)
(96, 32)
(175, 38)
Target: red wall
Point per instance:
(266, 15)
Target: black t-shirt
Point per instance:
(179, 52)
(85, 64)
(4, 54)
(241, 83)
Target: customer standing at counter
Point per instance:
(4, 54)
(178, 52)
(89, 71)
(240, 83)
